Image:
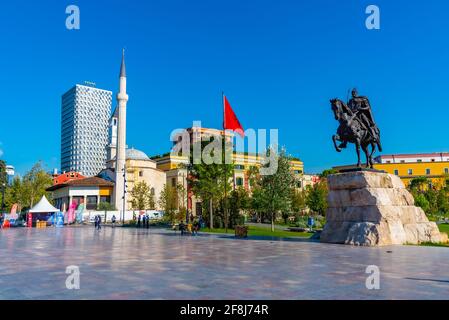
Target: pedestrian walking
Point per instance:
(99, 222)
(113, 219)
(144, 221)
(138, 221)
(96, 221)
(148, 222)
(182, 227)
(196, 227)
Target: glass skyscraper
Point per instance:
(85, 112)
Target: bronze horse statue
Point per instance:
(352, 129)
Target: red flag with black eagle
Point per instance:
(230, 121)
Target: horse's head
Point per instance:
(337, 108)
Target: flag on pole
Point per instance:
(230, 121)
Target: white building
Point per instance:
(413, 157)
(85, 111)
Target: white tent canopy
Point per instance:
(43, 206)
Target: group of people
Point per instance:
(191, 228)
(97, 222)
(143, 221)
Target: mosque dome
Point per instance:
(134, 154)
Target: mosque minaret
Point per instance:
(122, 99)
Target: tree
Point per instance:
(3, 180)
(316, 198)
(29, 190)
(298, 202)
(168, 201)
(105, 206)
(276, 188)
(238, 201)
(419, 184)
(35, 182)
(253, 177)
(208, 179)
(422, 202)
(327, 172)
(142, 198)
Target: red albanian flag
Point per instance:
(230, 119)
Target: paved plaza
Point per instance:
(125, 263)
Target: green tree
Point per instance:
(327, 172)
(3, 179)
(238, 201)
(253, 177)
(298, 202)
(419, 184)
(105, 206)
(168, 201)
(422, 202)
(141, 197)
(316, 198)
(276, 188)
(34, 185)
(207, 180)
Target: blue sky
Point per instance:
(279, 62)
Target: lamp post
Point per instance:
(188, 167)
(3, 196)
(124, 194)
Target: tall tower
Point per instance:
(122, 99)
(85, 112)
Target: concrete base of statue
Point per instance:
(373, 208)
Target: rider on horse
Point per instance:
(361, 107)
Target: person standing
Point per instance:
(144, 221)
(148, 222)
(96, 221)
(99, 222)
(196, 227)
(138, 221)
(113, 220)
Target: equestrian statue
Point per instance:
(357, 126)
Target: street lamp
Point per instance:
(3, 196)
(124, 194)
(188, 167)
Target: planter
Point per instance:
(241, 231)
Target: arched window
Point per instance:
(152, 191)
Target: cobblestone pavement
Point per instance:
(125, 263)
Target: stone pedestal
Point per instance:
(371, 208)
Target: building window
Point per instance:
(173, 182)
(140, 173)
(402, 161)
(105, 199)
(396, 172)
(388, 161)
(239, 167)
(427, 171)
(419, 160)
(91, 203)
(298, 171)
(299, 184)
(433, 160)
(410, 172)
(239, 181)
(446, 170)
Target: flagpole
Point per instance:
(224, 164)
